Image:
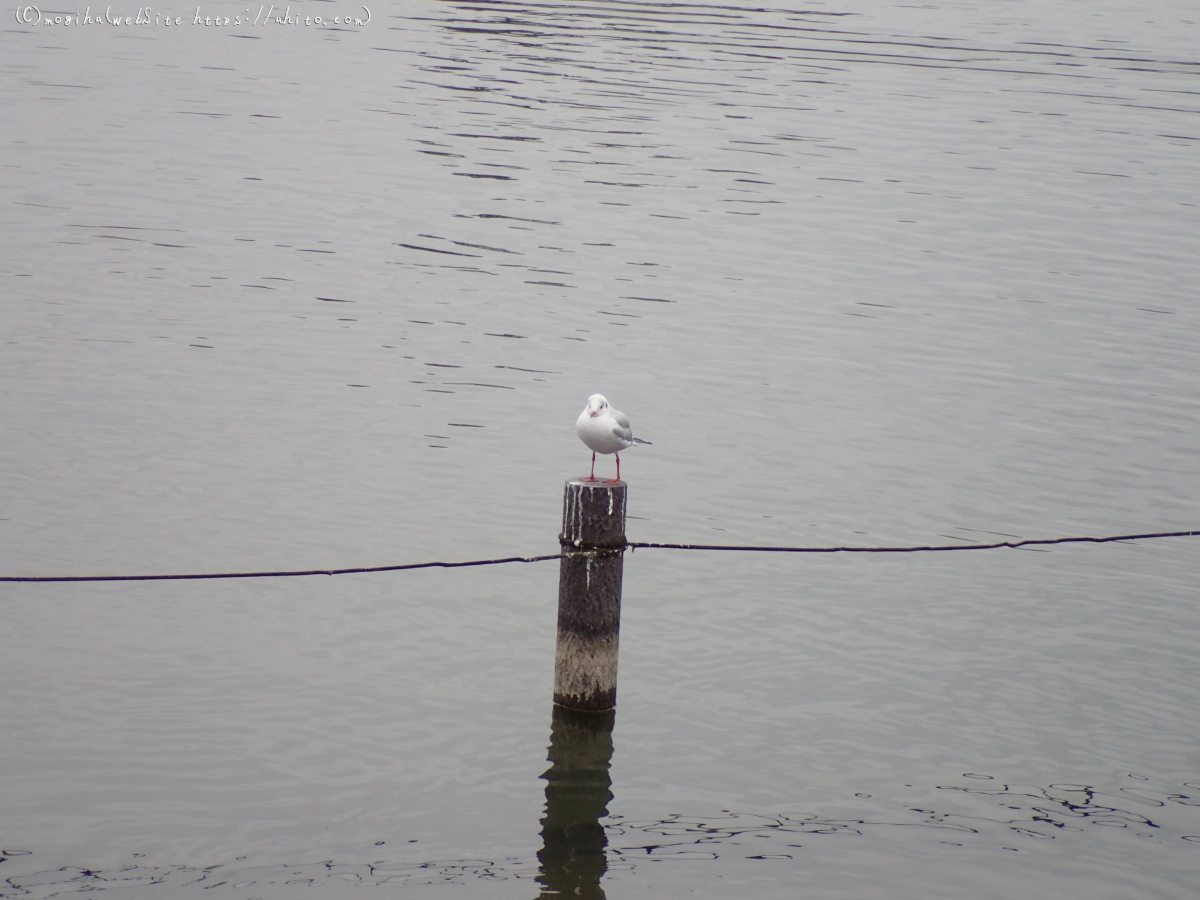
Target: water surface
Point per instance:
(287, 297)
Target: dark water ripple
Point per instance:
(539, 96)
(996, 816)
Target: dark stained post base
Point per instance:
(589, 595)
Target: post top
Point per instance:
(594, 514)
(583, 481)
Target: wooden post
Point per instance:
(589, 595)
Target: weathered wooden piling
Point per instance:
(589, 595)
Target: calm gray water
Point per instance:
(287, 296)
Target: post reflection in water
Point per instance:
(578, 789)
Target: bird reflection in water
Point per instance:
(578, 790)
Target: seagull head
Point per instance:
(596, 405)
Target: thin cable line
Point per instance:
(356, 571)
(922, 549)
(632, 545)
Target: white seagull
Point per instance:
(604, 430)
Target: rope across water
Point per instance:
(632, 545)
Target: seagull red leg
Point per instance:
(592, 477)
(618, 478)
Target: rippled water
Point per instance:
(289, 297)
